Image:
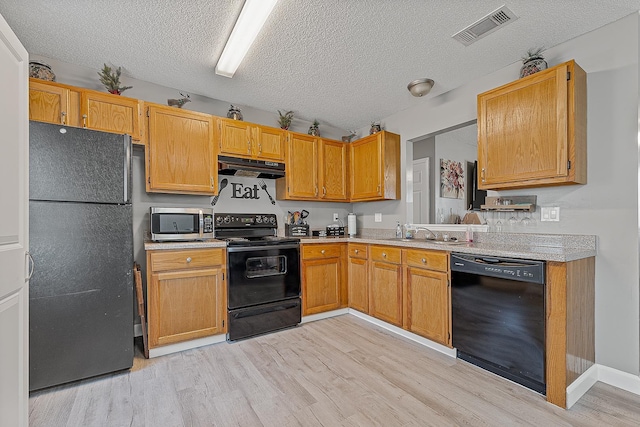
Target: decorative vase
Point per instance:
(375, 128)
(314, 131)
(115, 91)
(42, 71)
(532, 65)
(234, 113)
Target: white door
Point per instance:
(14, 229)
(421, 191)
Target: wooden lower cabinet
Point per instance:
(385, 284)
(186, 295)
(324, 284)
(358, 269)
(428, 303)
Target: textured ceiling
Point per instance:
(345, 63)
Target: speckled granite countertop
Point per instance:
(560, 248)
(210, 243)
(557, 247)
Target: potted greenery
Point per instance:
(111, 80)
(533, 62)
(313, 129)
(285, 119)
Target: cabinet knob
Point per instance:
(322, 252)
(424, 261)
(63, 114)
(259, 148)
(357, 251)
(384, 255)
(84, 120)
(324, 190)
(188, 259)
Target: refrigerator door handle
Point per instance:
(32, 265)
(127, 167)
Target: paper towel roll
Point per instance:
(351, 224)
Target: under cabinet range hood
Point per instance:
(249, 168)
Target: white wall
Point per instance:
(607, 206)
(460, 145)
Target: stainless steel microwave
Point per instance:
(170, 224)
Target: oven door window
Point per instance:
(174, 223)
(266, 266)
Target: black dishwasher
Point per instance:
(498, 316)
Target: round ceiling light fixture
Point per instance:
(420, 87)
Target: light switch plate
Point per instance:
(550, 213)
(378, 217)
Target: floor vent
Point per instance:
(485, 26)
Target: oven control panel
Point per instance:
(224, 220)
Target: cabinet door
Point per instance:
(523, 131)
(428, 304)
(111, 113)
(48, 103)
(358, 284)
(302, 162)
(235, 138)
(333, 170)
(180, 152)
(385, 292)
(366, 168)
(268, 143)
(321, 285)
(185, 305)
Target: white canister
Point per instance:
(351, 224)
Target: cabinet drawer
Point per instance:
(321, 251)
(386, 254)
(358, 250)
(433, 260)
(192, 258)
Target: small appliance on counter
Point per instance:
(181, 224)
(335, 230)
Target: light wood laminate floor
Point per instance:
(341, 371)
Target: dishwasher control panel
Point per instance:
(509, 268)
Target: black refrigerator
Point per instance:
(81, 240)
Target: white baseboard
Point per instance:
(604, 374)
(325, 315)
(620, 379)
(581, 385)
(187, 345)
(406, 334)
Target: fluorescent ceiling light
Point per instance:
(252, 17)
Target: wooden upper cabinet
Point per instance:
(332, 169)
(301, 175)
(374, 167)
(268, 143)
(248, 140)
(112, 113)
(316, 170)
(181, 151)
(53, 103)
(532, 132)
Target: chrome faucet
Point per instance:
(430, 236)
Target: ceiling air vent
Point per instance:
(485, 26)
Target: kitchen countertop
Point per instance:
(536, 249)
(527, 251)
(209, 243)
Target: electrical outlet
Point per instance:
(550, 213)
(377, 217)
(335, 217)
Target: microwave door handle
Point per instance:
(201, 223)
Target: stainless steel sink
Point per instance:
(436, 242)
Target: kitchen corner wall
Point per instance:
(607, 206)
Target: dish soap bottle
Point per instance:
(398, 230)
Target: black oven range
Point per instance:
(263, 275)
